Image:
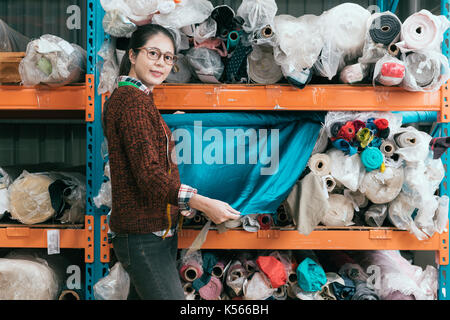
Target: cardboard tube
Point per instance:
(69, 295)
(266, 32)
(387, 148)
(320, 164)
(218, 270)
(292, 277)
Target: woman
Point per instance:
(147, 195)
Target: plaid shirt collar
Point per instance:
(130, 81)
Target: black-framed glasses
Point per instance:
(155, 54)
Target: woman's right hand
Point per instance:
(218, 211)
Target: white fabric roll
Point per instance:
(320, 164)
(382, 187)
(340, 212)
(257, 288)
(329, 183)
(423, 30)
(353, 73)
(262, 67)
(413, 145)
(389, 71)
(388, 148)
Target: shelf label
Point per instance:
(53, 242)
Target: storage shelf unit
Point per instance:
(222, 97)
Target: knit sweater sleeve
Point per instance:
(139, 134)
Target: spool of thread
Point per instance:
(330, 183)
(265, 221)
(387, 148)
(232, 40)
(320, 164)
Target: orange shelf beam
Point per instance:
(72, 97)
(213, 97)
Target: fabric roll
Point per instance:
(311, 277)
(281, 293)
(264, 36)
(189, 291)
(223, 15)
(388, 148)
(265, 221)
(407, 139)
(372, 158)
(319, 164)
(218, 269)
(345, 146)
(358, 199)
(389, 71)
(236, 66)
(298, 79)
(232, 40)
(262, 67)
(209, 260)
(206, 63)
(236, 275)
(215, 44)
(256, 13)
(413, 145)
(212, 290)
(340, 213)
(423, 30)
(382, 187)
(190, 272)
(354, 73)
(273, 269)
(231, 224)
(329, 182)
(283, 217)
(364, 136)
(344, 291)
(250, 223)
(385, 29)
(423, 68)
(441, 217)
(375, 215)
(257, 288)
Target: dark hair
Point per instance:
(138, 39)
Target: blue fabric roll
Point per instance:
(247, 186)
(345, 146)
(372, 158)
(310, 276)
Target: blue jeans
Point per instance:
(151, 264)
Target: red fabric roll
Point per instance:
(381, 123)
(358, 124)
(347, 131)
(273, 269)
(265, 221)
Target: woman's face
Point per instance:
(151, 72)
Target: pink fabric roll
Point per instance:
(215, 44)
(191, 271)
(212, 290)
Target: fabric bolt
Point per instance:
(345, 146)
(236, 66)
(265, 221)
(319, 164)
(346, 291)
(256, 287)
(372, 158)
(347, 131)
(384, 134)
(262, 67)
(439, 146)
(340, 212)
(423, 68)
(250, 223)
(273, 269)
(335, 127)
(375, 143)
(209, 260)
(353, 73)
(236, 275)
(298, 79)
(212, 290)
(223, 15)
(389, 71)
(382, 187)
(215, 44)
(388, 148)
(385, 28)
(281, 293)
(311, 277)
(191, 271)
(381, 123)
(364, 136)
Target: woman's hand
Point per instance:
(218, 211)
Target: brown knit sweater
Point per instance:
(139, 164)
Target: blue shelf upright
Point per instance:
(94, 136)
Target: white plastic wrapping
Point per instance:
(257, 13)
(207, 64)
(185, 13)
(27, 279)
(257, 288)
(110, 68)
(425, 71)
(142, 8)
(348, 170)
(205, 30)
(340, 212)
(423, 30)
(354, 73)
(115, 286)
(53, 61)
(116, 20)
(345, 26)
(413, 145)
(375, 215)
(441, 217)
(262, 67)
(382, 187)
(389, 71)
(11, 40)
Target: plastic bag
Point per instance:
(257, 13)
(205, 30)
(12, 40)
(413, 145)
(426, 71)
(382, 187)
(53, 61)
(257, 287)
(207, 64)
(185, 13)
(329, 61)
(389, 71)
(375, 215)
(142, 8)
(116, 20)
(115, 286)
(441, 217)
(354, 73)
(110, 68)
(340, 212)
(347, 170)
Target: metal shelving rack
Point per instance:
(259, 97)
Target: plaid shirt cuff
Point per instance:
(184, 195)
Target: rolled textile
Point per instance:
(281, 292)
(202, 32)
(343, 291)
(413, 145)
(11, 40)
(347, 170)
(256, 13)
(389, 71)
(232, 40)
(329, 182)
(231, 224)
(236, 67)
(209, 260)
(298, 79)
(382, 187)
(273, 269)
(353, 73)
(311, 277)
(235, 277)
(423, 30)
(345, 146)
(385, 28)
(69, 295)
(283, 217)
(388, 148)
(262, 67)
(178, 16)
(223, 15)
(319, 164)
(425, 71)
(218, 269)
(191, 265)
(340, 213)
(265, 221)
(189, 291)
(206, 63)
(264, 36)
(364, 136)
(212, 290)
(372, 158)
(407, 139)
(375, 215)
(250, 223)
(358, 199)
(30, 201)
(257, 287)
(424, 219)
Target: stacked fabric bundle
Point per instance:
(306, 275)
(255, 45)
(372, 169)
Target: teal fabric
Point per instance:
(310, 276)
(209, 260)
(371, 158)
(202, 158)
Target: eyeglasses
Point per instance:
(155, 54)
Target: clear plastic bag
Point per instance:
(207, 64)
(185, 13)
(389, 71)
(375, 215)
(354, 73)
(413, 145)
(205, 30)
(340, 212)
(115, 286)
(53, 61)
(348, 170)
(110, 68)
(382, 187)
(12, 40)
(257, 13)
(142, 8)
(257, 287)
(116, 20)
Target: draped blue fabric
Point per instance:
(249, 159)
